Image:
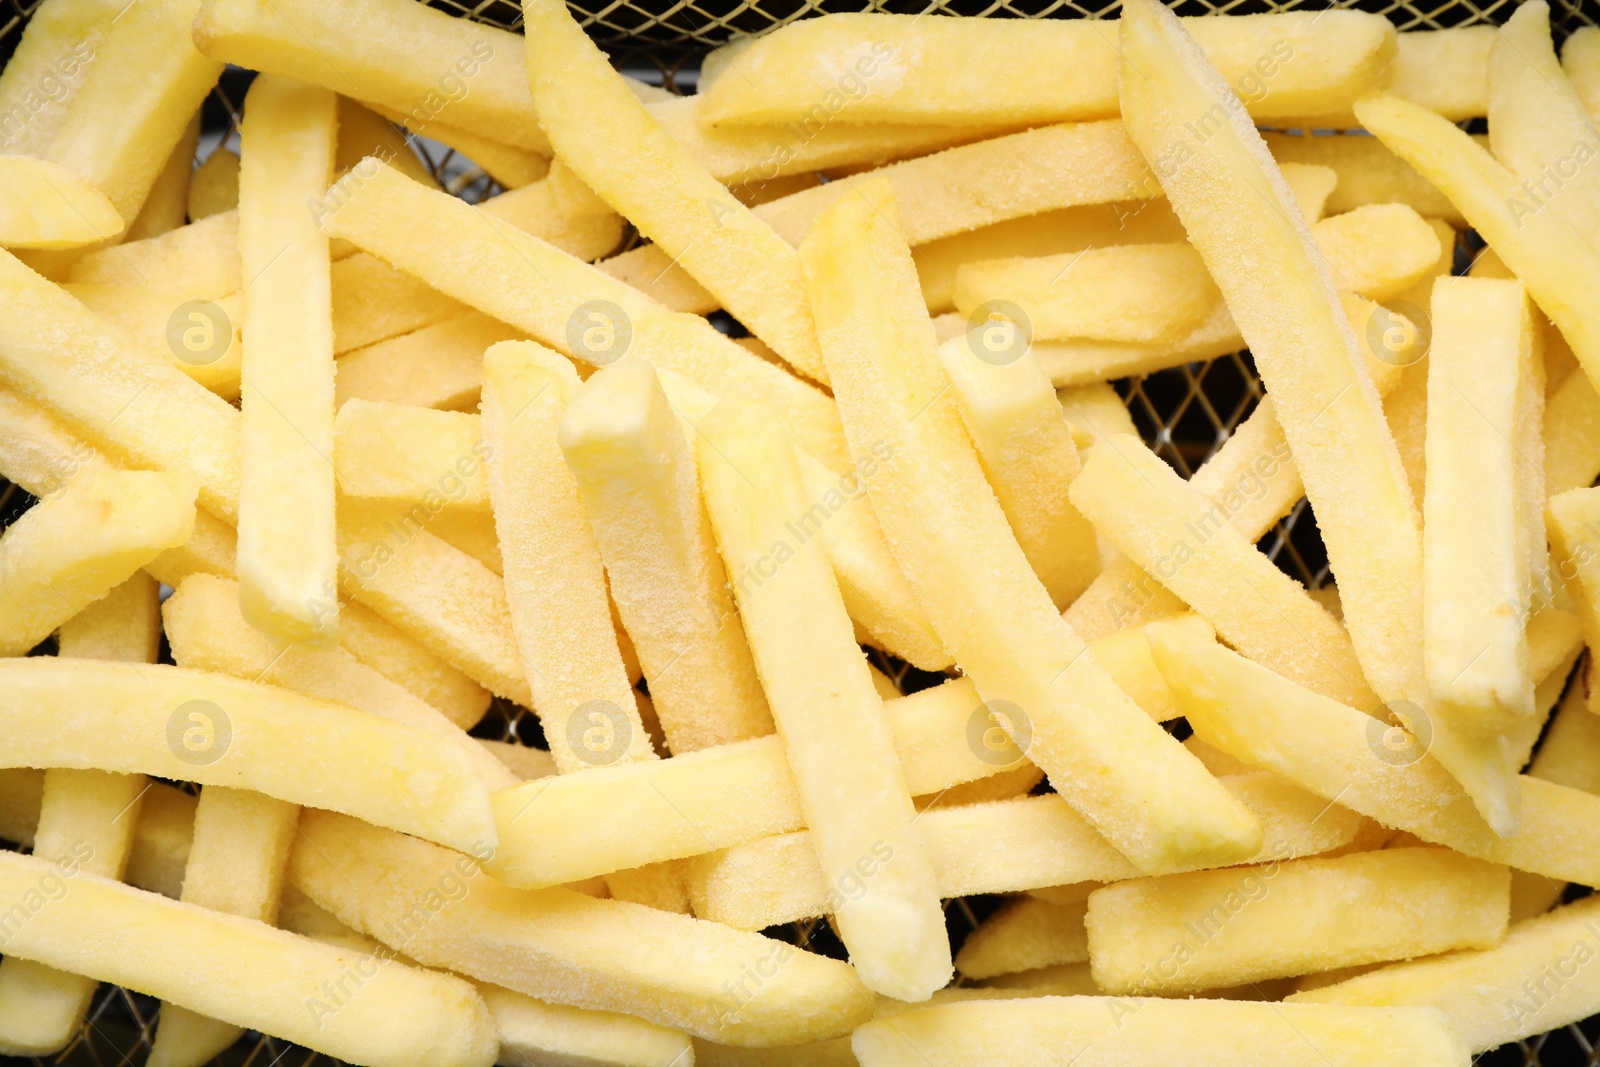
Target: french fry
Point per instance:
(287, 557)
(647, 176)
(636, 472)
(1533, 981)
(208, 633)
(90, 715)
(566, 948)
(1378, 250)
(402, 454)
(45, 205)
(1566, 757)
(373, 302)
(72, 550)
(1025, 935)
(523, 761)
(57, 46)
(1571, 435)
(1175, 533)
(1252, 714)
(438, 366)
(1538, 125)
(1023, 441)
(821, 696)
(1369, 173)
(1572, 523)
(568, 215)
(999, 847)
(473, 533)
(1446, 70)
(1212, 929)
(215, 185)
(967, 70)
(1405, 406)
(146, 318)
(1580, 59)
(374, 641)
(998, 624)
(518, 289)
(166, 208)
(363, 132)
(1311, 363)
(1100, 1031)
(200, 260)
(401, 1016)
(145, 84)
(161, 840)
(511, 166)
(1555, 641)
(533, 1032)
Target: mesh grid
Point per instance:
(1185, 413)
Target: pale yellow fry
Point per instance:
(1378, 250)
(1580, 59)
(1025, 935)
(565, 213)
(635, 470)
(287, 556)
(904, 68)
(57, 47)
(532, 1031)
(473, 533)
(1336, 751)
(1093, 1031)
(45, 205)
(1282, 296)
(146, 83)
(438, 366)
(407, 455)
(363, 132)
(1574, 528)
(1026, 448)
(951, 538)
(567, 948)
(373, 302)
(655, 182)
(822, 698)
(74, 548)
(1567, 757)
(376, 642)
(1080, 361)
(1369, 173)
(215, 185)
(1538, 126)
(1446, 70)
(531, 285)
(166, 208)
(1571, 435)
(200, 260)
(202, 342)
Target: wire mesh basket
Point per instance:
(1184, 414)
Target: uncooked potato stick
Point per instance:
(373, 302)
(823, 701)
(1580, 59)
(636, 472)
(53, 54)
(406, 455)
(1477, 578)
(45, 205)
(1378, 250)
(533, 1031)
(243, 971)
(437, 366)
(1382, 772)
(1574, 529)
(1369, 173)
(215, 187)
(1446, 70)
(1571, 435)
(1538, 125)
(566, 948)
(166, 208)
(1175, 533)
(200, 260)
(555, 583)
(363, 132)
(905, 68)
(531, 285)
(1026, 448)
(1025, 935)
(1092, 1031)
(287, 556)
(374, 641)
(207, 349)
(73, 549)
(1223, 185)
(951, 538)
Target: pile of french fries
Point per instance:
(326, 459)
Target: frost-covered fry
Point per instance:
(1574, 530)
(376, 642)
(532, 1032)
(512, 166)
(1446, 70)
(287, 556)
(363, 132)
(242, 971)
(407, 455)
(1571, 435)
(636, 471)
(1378, 250)
(568, 215)
(1212, 929)
(1385, 774)
(200, 260)
(904, 68)
(1176, 534)
(1222, 184)
(438, 366)
(533, 286)
(1025, 935)
(951, 539)
(1538, 125)
(1369, 173)
(555, 584)
(145, 84)
(71, 550)
(373, 302)
(45, 205)
(1080, 361)
(1096, 1031)
(822, 699)
(168, 721)
(1027, 452)
(1477, 579)
(144, 315)
(55, 50)
(215, 187)
(563, 947)
(1580, 59)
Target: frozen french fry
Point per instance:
(822, 697)
(207, 346)
(1212, 929)
(567, 214)
(215, 186)
(71, 550)
(532, 1032)
(1384, 773)
(204, 728)
(1446, 70)
(21, 793)
(1025, 935)
(1224, 183)
(1378, 250)
(40, 78)
(1538, 125)
(1369, 172)
(45, 205)
(1571, 435)
(287, 556)
(566, 948)
(167, 206)
(473, 533)
(1574, 529)
(363, 132)
(1092, 1031)
(1175, 533)
(528, 284)
(438, 366)
(200, 260)
(1026, 448)
(407, 455)
(242, 971)
(161, 840)
(555, 583)
(373, 302)
(636, 472)
(376, 642)
(905, 68)
(510, 165)
(1580, 59)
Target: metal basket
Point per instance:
(1184, 413)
